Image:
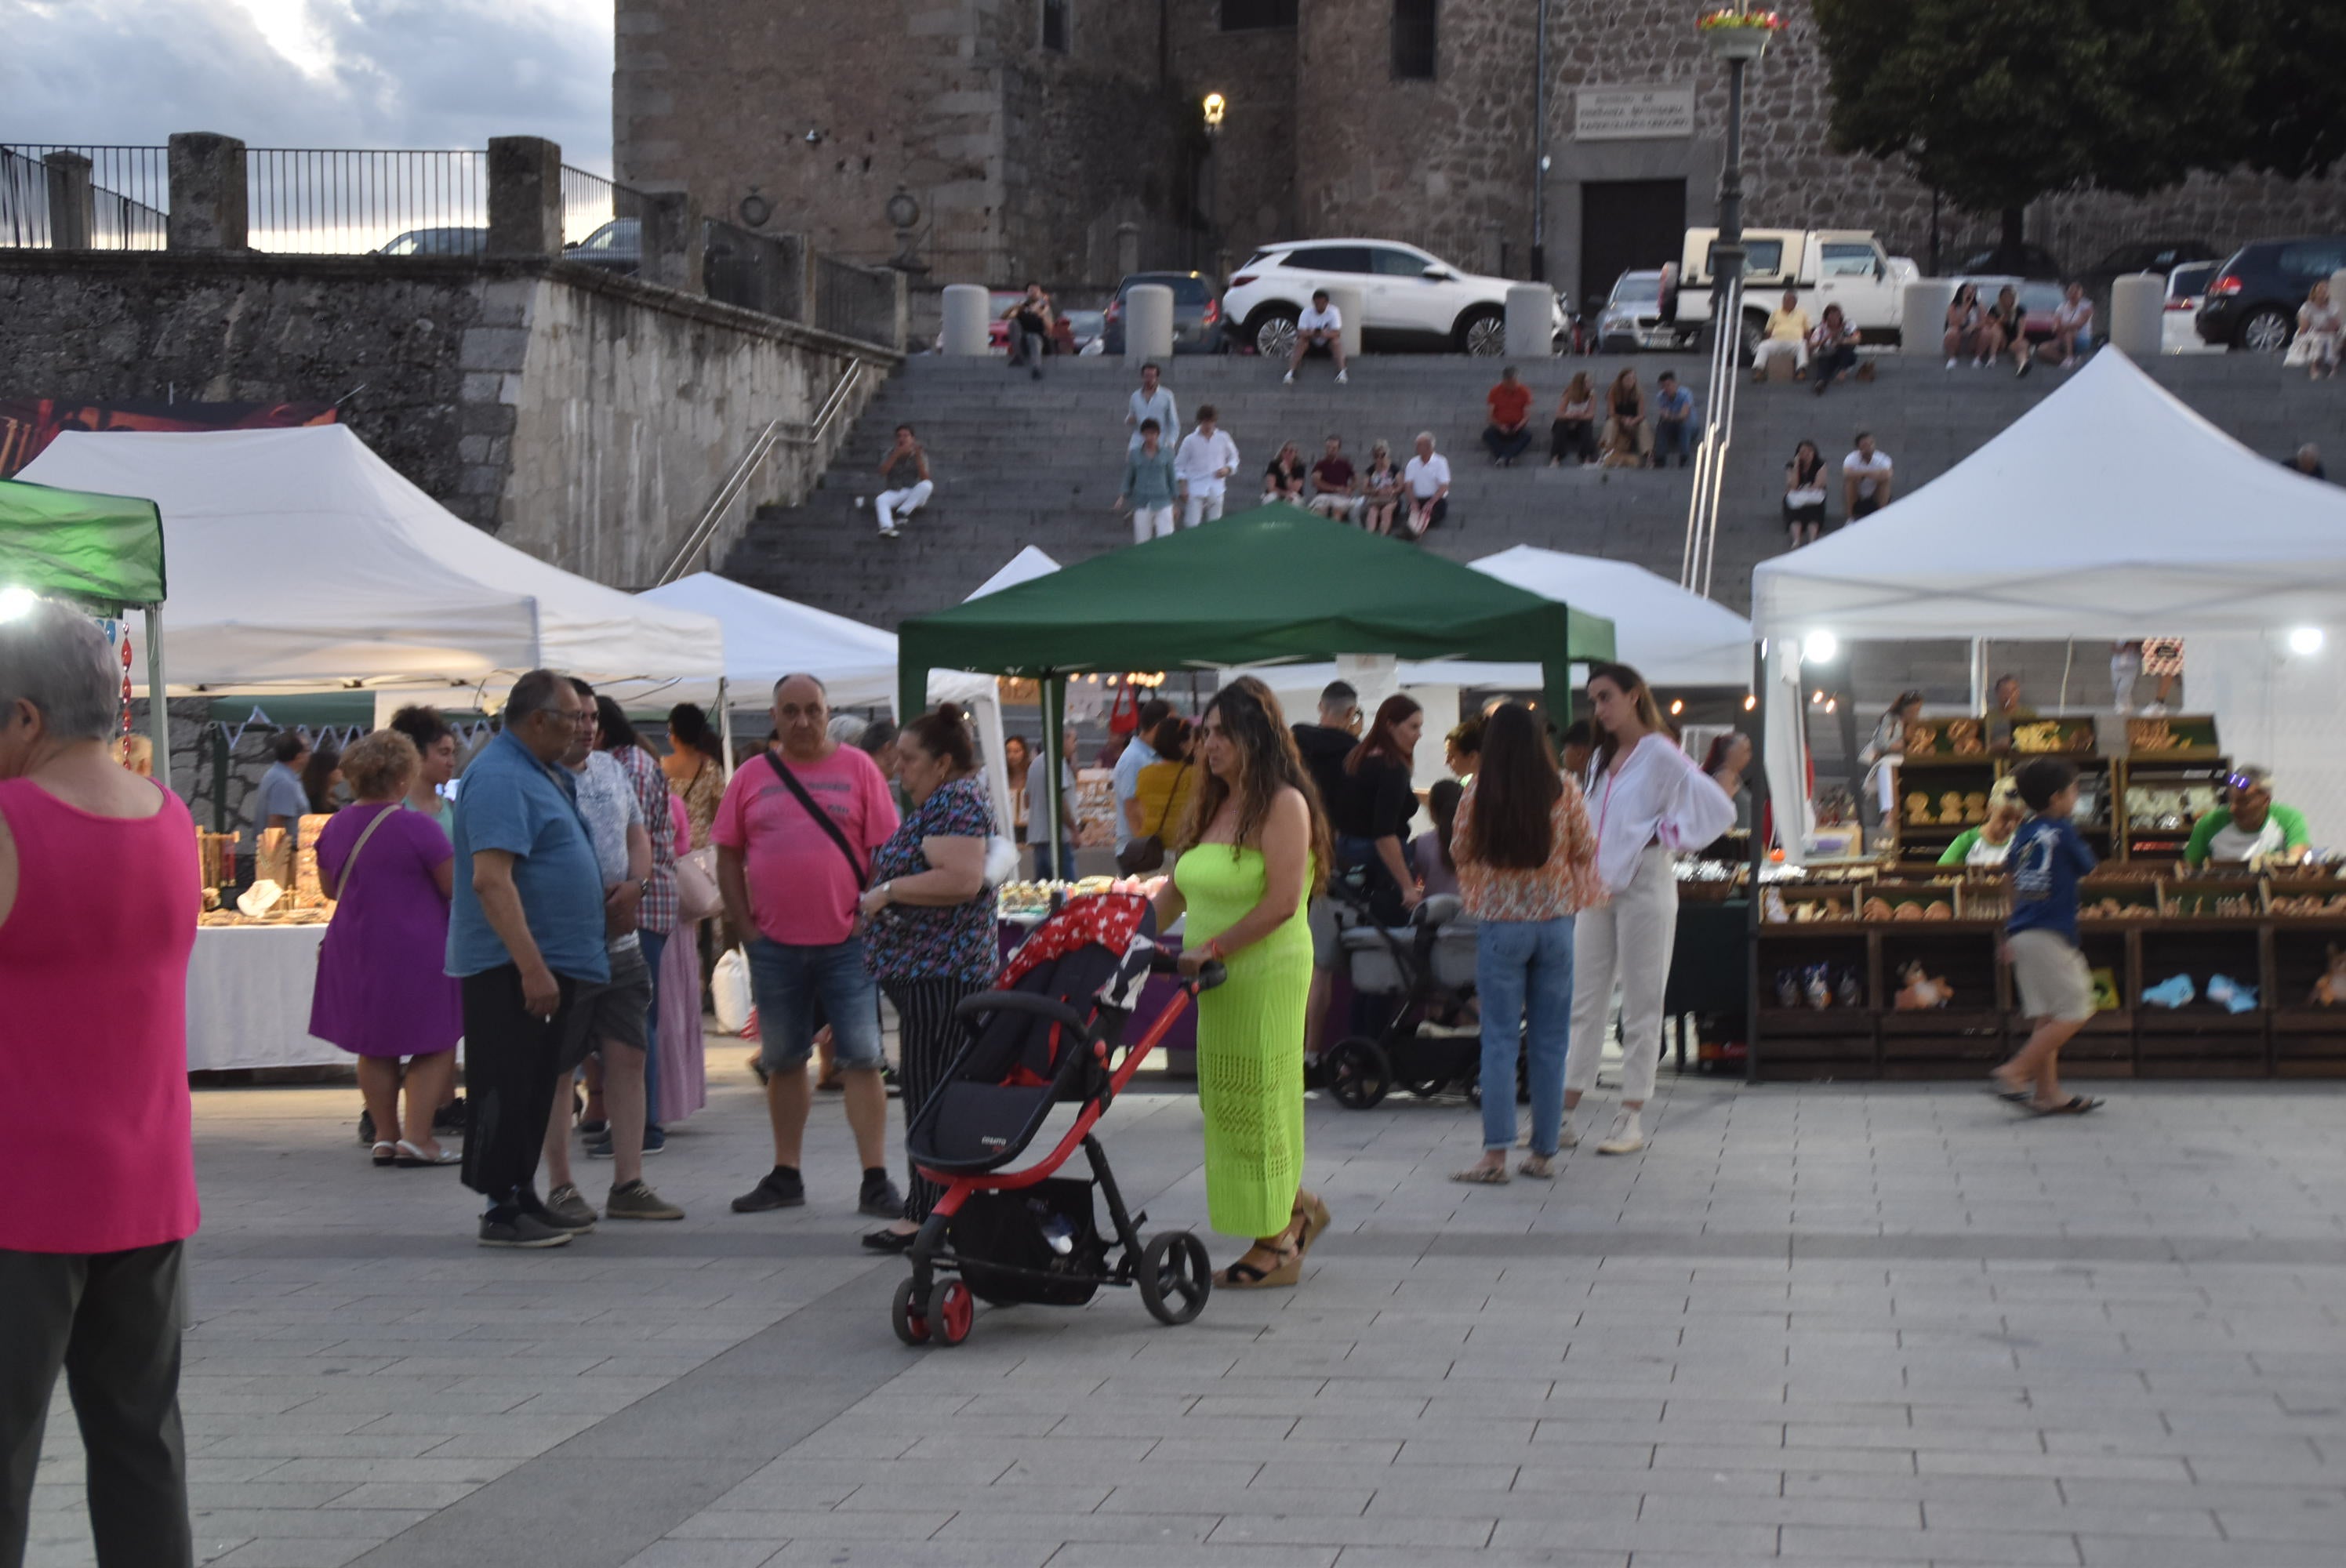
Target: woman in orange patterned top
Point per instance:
(1526, 864)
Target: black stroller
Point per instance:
(1423, 978)
(1047, 1035)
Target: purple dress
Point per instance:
(382, 989)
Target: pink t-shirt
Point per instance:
(97, 1152)
(802, 893)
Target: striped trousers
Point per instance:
(928, 1039)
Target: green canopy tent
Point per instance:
(1274, 585)
(103, 552)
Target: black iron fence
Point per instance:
(755, 271)
(600, 215)
(308, 200)
(127, 192)
(855, 302)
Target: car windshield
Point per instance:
(1186, 289)
(1638, 288)
(1761, 259)
(619, 234)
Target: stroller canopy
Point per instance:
(1276, 585)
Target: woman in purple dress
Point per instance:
(383, 991)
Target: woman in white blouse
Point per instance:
(1649, 799)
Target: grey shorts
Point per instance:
(620, 1010)
(1321, 916)
(2051, 976)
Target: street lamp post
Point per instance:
(1738, 36)
(1216, 107)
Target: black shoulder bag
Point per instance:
(1142, 856)
(822, 818)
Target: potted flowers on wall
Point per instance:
(1734, 33)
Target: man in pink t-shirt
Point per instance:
(795, 836)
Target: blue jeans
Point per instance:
(787, 983)
(655, 944)
(1066, 867)
(1522, 975)
(1673, 438)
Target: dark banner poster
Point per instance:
(29, 424)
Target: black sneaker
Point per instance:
(598, 1128)
(516, 1229)
(366, 1126)
(880, 1200)
(450, 1117)
(885, 1240)
(776, 1189)
(599, 1147)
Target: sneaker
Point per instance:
(1567, 1139)
(1343, 378)
(775, 1189)
(880, 1200)
(1951, 365)
(1287, 379)
(515, 1228)
(2025, 365)
(568, 1210)
(366, 1128)
(1626, 1137)
(637, 1200)
(450, 1117)
(891, 533)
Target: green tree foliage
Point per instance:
(1997, 102)
(2296, 102)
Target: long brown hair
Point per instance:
(1649, 712)
(1268, 762)
(1516, 791)
(1578, 390)
(1379, 741)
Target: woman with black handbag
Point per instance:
(1160, 793)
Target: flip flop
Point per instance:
(2009, 1096)
(1483, 1176)
(2074, 1105)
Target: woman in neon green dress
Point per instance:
(1253, 849)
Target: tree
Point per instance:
(2295, 103)
(1997, 102)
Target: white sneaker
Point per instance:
(1287, 379)
(1566, 1138)
(1626, 1137)
(1343, 377)
(1951, 365)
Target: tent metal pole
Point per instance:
(158, 698)
(1978, 677)
(725, 725)
(1054, 707)
(1760, 799)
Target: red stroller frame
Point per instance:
(1047, 1035)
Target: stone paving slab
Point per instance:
(1881, 1325)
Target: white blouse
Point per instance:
(1657, 795)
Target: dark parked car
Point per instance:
(1197, 312)
(2160, 256)
(437, 242)
(2253, 300)
(2036, 262)
(617, 246)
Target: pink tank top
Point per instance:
(96, 1153)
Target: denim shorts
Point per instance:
(798, 989)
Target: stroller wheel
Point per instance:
(1358, 1073)
(1176, 1277)
(953, 1311)
(911, 1325)
(1428, 1088)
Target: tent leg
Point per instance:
(725, 725)
(158, 698)
(987, 711)
(1978, 677)
(1055, 707)
(1760, 799)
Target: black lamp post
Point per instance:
(1738, 36)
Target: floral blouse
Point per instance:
(1568, 884)
(921, 941)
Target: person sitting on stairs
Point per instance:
(905, 472)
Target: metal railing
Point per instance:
(1717, 434)
(777, 433)
(755, 271)
(129, 191)
(589, 201)
(854, 301)
(313, 201)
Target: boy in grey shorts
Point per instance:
(2057, 990)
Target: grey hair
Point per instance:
(54, 656)
(2253, 775)
(1423, 435)
(530, 693)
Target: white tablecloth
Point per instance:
(249, 998)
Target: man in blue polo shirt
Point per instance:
(525, 932)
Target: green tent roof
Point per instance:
(105, 550)
(1274, 585)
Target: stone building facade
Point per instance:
(1061, 138)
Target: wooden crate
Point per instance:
(2310, 1042)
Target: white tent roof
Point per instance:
(768, 637)
(301, 561)
(2110, 509)
(1024, 567)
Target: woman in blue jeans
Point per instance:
(1526, 864)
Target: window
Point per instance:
(2312, 258)
(1846, 261)
(1412, 40)
(1390, 263)
(1055, 25)
(1247, 16)
(1331, 259)
(1761, 259)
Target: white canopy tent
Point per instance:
(2109, 511)
(301, 561)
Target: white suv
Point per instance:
(1413, 299)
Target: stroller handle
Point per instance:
(1210, 973)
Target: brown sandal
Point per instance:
(1315, 1219)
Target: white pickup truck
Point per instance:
(1844, 267)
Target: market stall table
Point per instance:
(248, 998)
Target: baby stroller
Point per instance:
(1424, 974)
(1047, 1035)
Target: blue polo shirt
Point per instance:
(512, 802)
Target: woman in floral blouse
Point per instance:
(1526, 864)
(928, 931)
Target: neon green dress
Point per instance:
(1250, 1045)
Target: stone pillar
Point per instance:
(73, 213)
(209, 205)
(673, 255)
(1148, 323)
(966, 316)
(525, 197)
(1531, 322)
(1351, 303)
(1923, 318)
(900, 331)
(1128, 249)
(2138, 304)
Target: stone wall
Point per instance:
(1256, 151)
(585, 418)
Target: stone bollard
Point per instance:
(2137, 306)
(1531, 322)
(1923, 317)
(1350, 304)
(72, 211)
(525, 197)
(210, 201)
(965, 323)
(1148, 323)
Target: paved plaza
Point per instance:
(1879, 1325)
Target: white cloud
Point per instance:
(309, 72)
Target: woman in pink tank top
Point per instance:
(99, 898)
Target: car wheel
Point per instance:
(1274, 332)
(1484, 335)
(2266, 331)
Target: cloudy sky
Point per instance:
(309, 72)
